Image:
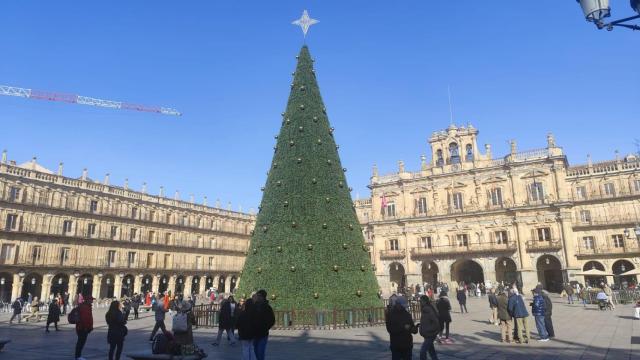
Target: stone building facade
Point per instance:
(527, 217)
(78, 235)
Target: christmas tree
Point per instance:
(307, 249)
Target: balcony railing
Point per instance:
(544, 245)
(102, 263)
(604, 196)
(392, 254)
(462, 249)
(607, 220)
(630, 246)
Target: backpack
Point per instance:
(74, 316)
(160, 344)
(180, 323)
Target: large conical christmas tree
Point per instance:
(307, 249)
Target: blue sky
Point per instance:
(517, 69)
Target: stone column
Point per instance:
(46, 288)
(16, 288)
(571, 262)
(117, 286)
(216, 281)
(528, 274)
(97, 282)
(137, 286)
(187, 285)
(172, 284)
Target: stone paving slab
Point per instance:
(581, 334)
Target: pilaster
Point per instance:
(16, 288)
(187, 285)
(117, 286)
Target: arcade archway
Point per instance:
(59, 284)
(506, 271)
(221, 284)
(622, 266)
(550, 273)
(6, 285)
(128, 283)
(31, 284)
(147, 284)
(107, 287)
(467, 271)
(164, 284)
(85, 284)
(430, 273)
(397, 277)
(180, 284)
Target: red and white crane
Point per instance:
(83, 100)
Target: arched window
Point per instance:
(469, 153)
(439, 160)
(454, 153)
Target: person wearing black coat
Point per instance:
(245, 331)
(227, 320)
(262, 319)
(54, 314)
(462, 300)
(429, 328)
(17, 310)
(443, 306)
(401, 327)
(117, 331)
(548, 311)
(135, 303)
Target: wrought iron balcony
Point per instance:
(544, 245)
(392, 254)
(463, 249)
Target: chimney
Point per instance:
(487, 150)
(144, 188)
(60, 168)
(106, 179)
(33, 163)
(423, 162)
(161, 194)
(191, 198)
(4, 156)
(85, 172)
(176, 196)
(204, 202)
(400, 166)
(513, 147)
(126, 184)
(375, 170)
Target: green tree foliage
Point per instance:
(307, 249)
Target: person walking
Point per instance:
(569, 290)
(607, 290)
(160, 311)
(84, 326)
(493, 305)
(506, 322)
(116, 321)
(443, 305)
(429, 328)
(548, 311)
(184, 313)
(519, 312)
(33, 309)
(17, 310)
(461, 295)
(584, 294)
(245, 331)
(538, 311)
(227, 321)
(400, 327)
(262, 319)
(54, 315)
(136, 305)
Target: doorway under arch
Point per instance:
(467, 271)
(221, 283)
(180, 284)
(31, 284)
(164, 284)
(147, 284)
(430, 273)
(128, 283)
(397, 277)
(107, 287)
(195, 285)
(6, 286)
(550, 273)
(59, 284)
(85, 284)
(506, 271)
(594, 280)
(622, 266)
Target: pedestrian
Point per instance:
(226, 322)
(506, 322)
(160, 311)
(84, 325)
(607, 290)
(17, 310)
(136, 305)
(54, 315)
(538, 312)
(462, 299)
(262, 319)
(443, 305)
(519, 312)
(33, 308)
(184, 313)
(584, 294)
(245, 331)
(493, 305)
(429, 328)
(65, 302)
(548, 311)
(116, 321)
(478, 291)
(569, 290)
(400, 327)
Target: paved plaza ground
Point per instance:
(581, 334)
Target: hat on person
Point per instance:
(262, 293)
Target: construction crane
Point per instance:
(83, 100)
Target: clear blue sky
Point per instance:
(517, 69)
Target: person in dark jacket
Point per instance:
(493, 305)
(538, 311)
(160, 312)
(461, 295)
(548, 311)
(506, 322)
(443, 305)
(227, 321)
(85, 325)
(135, 303)
(519, 312)
(54, 314)
(245, 331)
(116, 321)
(65, 303)
(17, 310)
(400, 327)
(262, 319)
(429, 328)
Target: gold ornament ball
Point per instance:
(350, 226)
(336, 268)
(299, 160)
(363, 268)
(279, 248)
(301, 107)
(255, 250)
(315, 119)
(359, 293)
(291, 143)
(286, 203)
(273, 296)
(259, 270)
(345, 246)
(324, 226)
(278, 183)
(301, 129)
(293, 224)
(319, 141)
(316, 295)
(314, 181)
(327, 199)
(310, 247)
(293, 269)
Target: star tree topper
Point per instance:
(305, 22)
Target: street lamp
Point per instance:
(596, 11)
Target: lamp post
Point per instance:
(596, 11)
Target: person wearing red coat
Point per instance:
(84, 326)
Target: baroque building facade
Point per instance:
(527, 217)
(78, 235)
